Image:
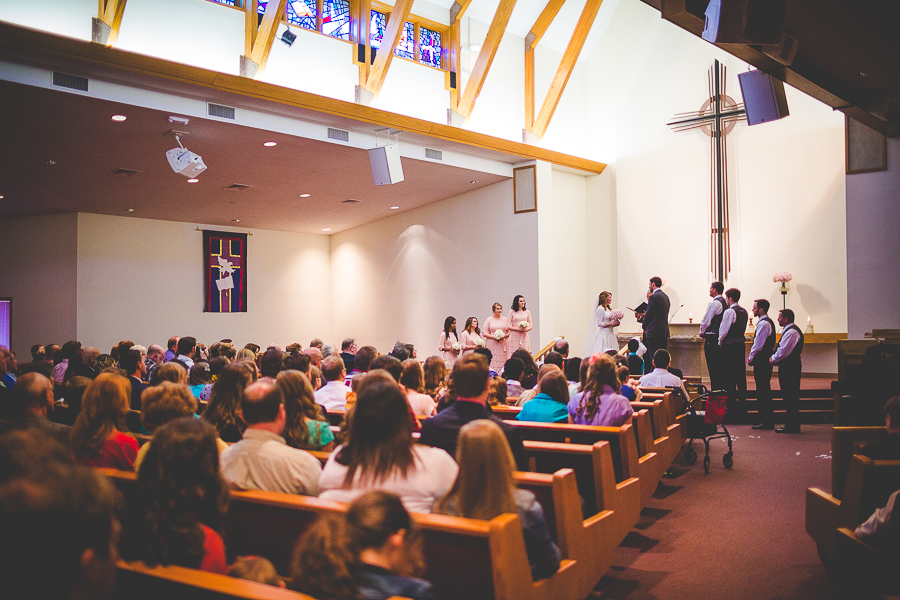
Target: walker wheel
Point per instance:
(728, 460)
(706, 464)
(690, 456)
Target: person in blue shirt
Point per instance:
(549, 406)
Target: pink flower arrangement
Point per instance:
(782, 277)
(616, 314)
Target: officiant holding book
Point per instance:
(655, 321)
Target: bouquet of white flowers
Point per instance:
(523, 324)
(498, 335)
(456, 346)
(479, 343)
(616, 314)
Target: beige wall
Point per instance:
(39, 272)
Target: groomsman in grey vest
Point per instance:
(760, 353)
(709, 331)
(731, 344)
(787, 359)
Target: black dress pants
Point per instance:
(762, 375)
(713, 355)
(789, 381)
(653, 344)
(735, 375)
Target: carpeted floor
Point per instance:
(735, 533)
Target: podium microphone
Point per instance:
(675, 313)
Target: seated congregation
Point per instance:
(351, 475)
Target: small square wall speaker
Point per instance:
(385, 163)
(764, 98)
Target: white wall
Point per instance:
(38, 271)
(873, 246)
(398, 278)
(786, 178)
(142, 279)
(71, 18)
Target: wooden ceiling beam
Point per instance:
(268, 28)
(485, 57)
(566, 65)
(110, 12)
(384, 56)
(542, 23)
(458, 10)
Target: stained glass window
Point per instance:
(237, 3)
(376, 28)
(336, 18)
(430, 47)
(302, 13)
(406, 47)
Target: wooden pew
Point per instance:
(137, 581)
(596, 485)
(845, 442)
(869, 484)
(626, 461)
(643, 435)
(663, 444)
(507, 413)
(490, 554)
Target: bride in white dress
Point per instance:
(601, 335)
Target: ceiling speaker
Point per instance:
(385, 163)
(764, 98)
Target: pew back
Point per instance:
(845, 442)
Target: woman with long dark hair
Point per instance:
(305, 427)
(97, 439)
(520, 324)
(371, 552)
(485, 488)
(530, 374)
(449, 344)
(599, 401)
(224, 409)
(175, 515)
(379, 453)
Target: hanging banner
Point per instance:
(225, 271)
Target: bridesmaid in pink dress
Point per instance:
(518, 335)
(497, 322)
(450, 345)
(471, 338)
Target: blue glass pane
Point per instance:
(302, 13)
(430, 47)
(376, 28)
(336, 18)
(406, 48)
(227, 2)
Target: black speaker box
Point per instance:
(764, 98)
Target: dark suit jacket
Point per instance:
(442, 430)
(656, 319)
(349, 360)
(137, 388)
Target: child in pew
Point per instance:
(484, 489)
(258, 569)
(371, 552)
(549, 404)
(175, 515)
(600, 404)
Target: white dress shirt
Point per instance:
(763, 329)
(333, 395)
(789, 339)
(714, 308)
(658, 378)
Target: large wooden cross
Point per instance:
(716, 118)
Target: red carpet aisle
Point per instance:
(735, 534)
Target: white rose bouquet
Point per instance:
(456, 346)
(523, 324)
(479, 343)
(498, 335)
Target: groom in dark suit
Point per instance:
(655, 321)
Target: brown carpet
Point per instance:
(735, 533)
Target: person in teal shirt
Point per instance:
(549, 406)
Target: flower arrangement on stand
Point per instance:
(783, 277)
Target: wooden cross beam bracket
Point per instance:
(458, 10)
(566, 65)
(485, 57)
(395, 25)
(254, 63)
(105, 26)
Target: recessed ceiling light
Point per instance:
(394, 207)
(119, 118)
(51, 162)
(130, 210)
(327, 229)
(305, 195)
(270, 144)
(194, 180)
(474, 181)
(235, 220)
(1, 197)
